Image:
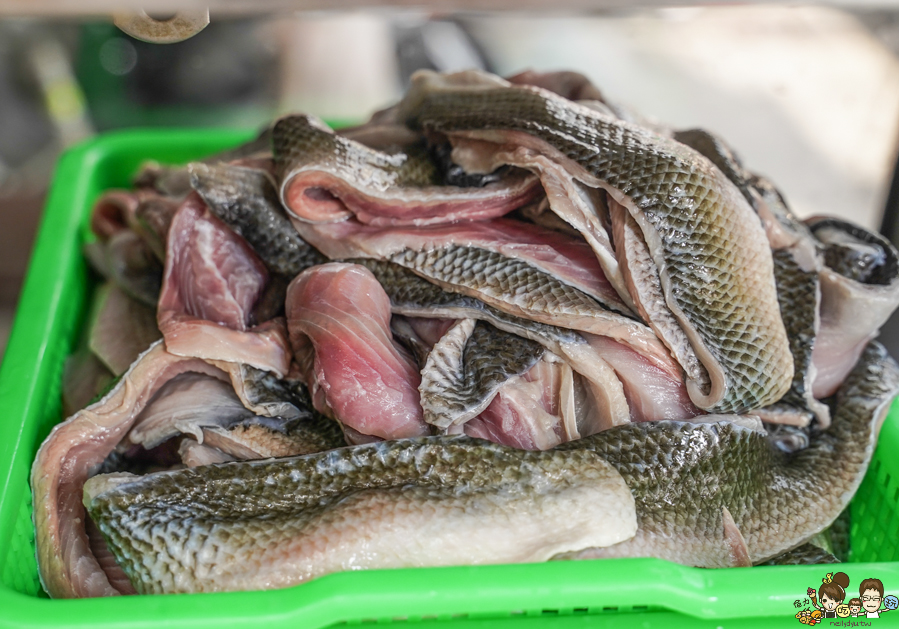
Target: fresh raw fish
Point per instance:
(121, 328)
(359, 375)
(797, 265)
(466, 368)
(671, 466)
(625, 383)
(641, 277)
(859, 291)
(208, 409)
(537, 410)
(637, 322)
(703, 495)
(568, 261)
(417, 502)
(247, 200)
(327, 177)
(72, 452)
(212, 281)
(506, 283)
(133, 412)
(686, 208)
(576, 205)
(653, 392)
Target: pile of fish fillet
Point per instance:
(505, 320)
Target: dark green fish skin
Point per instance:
(455, 175)
(798, 295)
(694, 212)
(185, 531)
(798, 292)
(246, 199)
(266, 394)
(856, 253)
(518, 288)
(416, 297)
(304, 141)
(805, 555)
(284, 406)
(683, 475)
(462, 375)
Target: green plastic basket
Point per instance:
(613, 593)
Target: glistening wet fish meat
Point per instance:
(358, 374)
(325, 178)
(418, 502)
(704, 494)
(688, 211)
(682, 521)
(213, 279)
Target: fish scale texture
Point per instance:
(175, 531)
(415, 296)
(797, 291)
(508, 282)
(713, 250)
(184, 531)
(464, 372)
(682, 475)
(301, 142)
(248, 202)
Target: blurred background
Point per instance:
(807, 95)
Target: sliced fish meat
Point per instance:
(568, 261)
(688, 211)
(213, 279)
(325, 177)
(466, 368)
(71, 453)
(712, 468)
(358, 374)
(417, 502)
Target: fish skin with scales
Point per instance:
(689, 212)
(302, 517)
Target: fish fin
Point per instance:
(738, 551)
